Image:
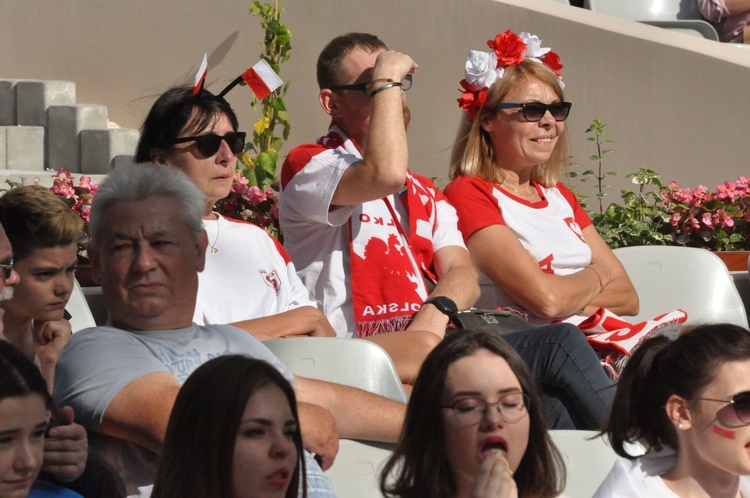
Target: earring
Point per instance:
(679, 426)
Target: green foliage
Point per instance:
(663, 214)
(271, 130)
(598, 175)
(641, 217)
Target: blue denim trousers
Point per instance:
(576, 392)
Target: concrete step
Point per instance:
(104, 150)
(66, 122)
(22, 148)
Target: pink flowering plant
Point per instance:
(665, 214)
(718, 220)
(249, 203)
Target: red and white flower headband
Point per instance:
(483, 69)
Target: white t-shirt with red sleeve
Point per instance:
(550, 229)
(250, 275)
(316, 233)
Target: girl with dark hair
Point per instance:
(474, 427)
(234, 433)
(25, 407)
(688, 403)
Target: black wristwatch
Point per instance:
(445, 305)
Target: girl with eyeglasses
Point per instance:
(474, 427)
(688, 403)
(534, 245)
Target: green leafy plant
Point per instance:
(596, 129)
(254, 192)
(663, 214)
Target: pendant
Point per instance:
(214, 250)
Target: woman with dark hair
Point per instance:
(688, 403)
(198, 135)
(234, 433)
(474, 427)
(25, 407)
(505, 170)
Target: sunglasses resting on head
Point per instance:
(209, 144)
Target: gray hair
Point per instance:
(143, 182)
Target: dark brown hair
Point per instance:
(419, 463)
(173, 112)
(330, 58)
(660, 368)
(196, 458)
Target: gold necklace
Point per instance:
(533, 191)
(214, 250)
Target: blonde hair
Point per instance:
(473, 153)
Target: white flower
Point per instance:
(534, 49)
(481, 69)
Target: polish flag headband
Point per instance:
(261, 78)
(483, 69)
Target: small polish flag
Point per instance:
(200, 76)
(262, 79)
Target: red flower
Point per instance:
(552, 61)
(509, 48)
(471, 100)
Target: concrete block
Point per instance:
(8, 102)
(123, 162)
(2, 149)
(33, 97)
(99, 148)
(24, 147)
(63, 132)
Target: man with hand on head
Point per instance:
(366, 235)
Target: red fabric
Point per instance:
(256, 84)
(615, 339)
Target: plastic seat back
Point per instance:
(353, 362)
(694, 280)
(78, 308)
(588, 459)
(356, 471)
(679, 15)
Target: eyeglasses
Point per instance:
(737, 411)
(362, 87)
(470, 411)
(535, 111)
(7, 270)
(209, 144)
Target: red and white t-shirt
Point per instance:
(251, 275)
(550, 229)
(316, 234)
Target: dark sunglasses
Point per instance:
(7, 269)
(535, 111)
(209, 144)
(362, 87)
(737, 411)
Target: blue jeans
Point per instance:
(576, 393)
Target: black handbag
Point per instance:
(502, 322)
